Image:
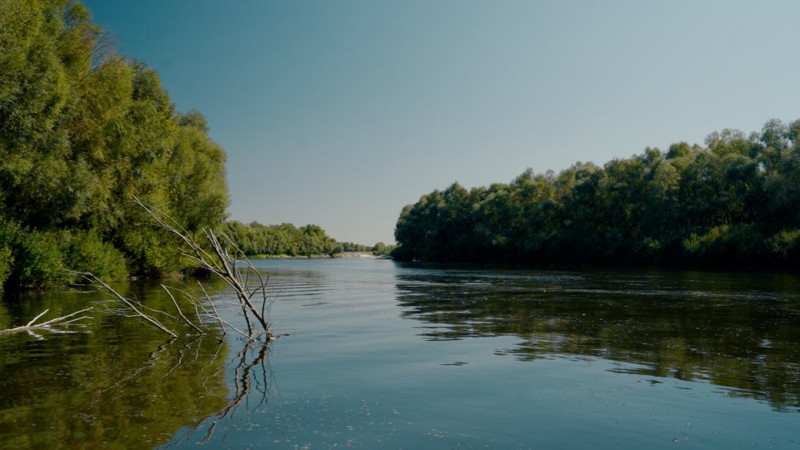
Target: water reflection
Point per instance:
(735, 330)
(120, 385)
(251, 380)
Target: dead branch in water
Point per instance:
(53, 325)
(131, 304)
(183, 316)
(219, 262)
(222, 264)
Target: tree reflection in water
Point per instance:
(740, 331)
(252, 380)
(120, 384)
(71, 391)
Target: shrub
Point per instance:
(151, 252)
(85, 251)
(726, 244)
(39, 262)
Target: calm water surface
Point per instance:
(382, 355)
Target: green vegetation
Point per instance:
(730, 203)
(284, 239)
(260, 240)
(381, 249)
(353, 247)
(82, 130)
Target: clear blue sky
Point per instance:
(340, 112)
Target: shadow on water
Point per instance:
(118, 383)
(740, 331)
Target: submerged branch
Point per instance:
(52, 325)
(185, 319)
(130, 304)
(217, 261)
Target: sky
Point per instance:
(340, 112)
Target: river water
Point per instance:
(377, 354)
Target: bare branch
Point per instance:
(219, 262)
(130, 305)
(40, 315)
(51, 325)
(216, 313)
(189, 322)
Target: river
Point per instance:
(378, 354)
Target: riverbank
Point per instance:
(367, 255)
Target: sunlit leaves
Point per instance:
(81, 134)
(723, 204)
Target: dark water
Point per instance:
(382, 355)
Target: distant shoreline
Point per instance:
(364, 255)
(367, 255)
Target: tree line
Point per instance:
(83, 130)
(255, 239)
(285, 239)
(732, 202)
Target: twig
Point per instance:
(40, 315)
(130, 305)
(192, 299)
(189, 322)
(216, 313)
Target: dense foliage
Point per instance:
(82, 130)
(733, 202)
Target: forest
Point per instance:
(732, 203)
(85, 130)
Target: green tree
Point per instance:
(82, 131)
(198, 194)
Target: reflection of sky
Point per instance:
(355, 365)
(356, 371)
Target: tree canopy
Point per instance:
(730, 202)
(83, 130)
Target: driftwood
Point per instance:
(57, 325)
